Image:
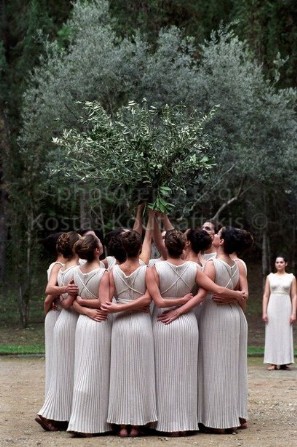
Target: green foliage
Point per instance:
(100, 57)
(143, 148)
(270, 28)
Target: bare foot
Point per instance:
(243, 424)
(123, 433)
(134, 432)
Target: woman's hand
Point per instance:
(265, 318)
(168, 316)
(292, 318)
(241, 299)
(97, 314)
(71, 289)
(186, 298)
(110, 307)
(79, 300)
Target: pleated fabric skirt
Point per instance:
(222, 365)
(49, 324)
(132, 398)
(58, 401)
(279, 348)
(176, 352)
(91, 376)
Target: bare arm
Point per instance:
(294, 301)
(139, 304)
(152, 283)
(94, 314)
(48, 303)
(166, 222)
(242, 286)
(157, 236)
(53, 289)
(145, 254)
(93, 303)
(107, 293)
(138, 219)
(206, 284)
(265, 301)
(67, 302)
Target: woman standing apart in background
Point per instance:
(279, 314)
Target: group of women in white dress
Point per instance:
(134, 344)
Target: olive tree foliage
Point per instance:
(255, 129)
(252, 135)
(151, 152)
(98, 65)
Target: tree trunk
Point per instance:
(265, 255)
(4, 151)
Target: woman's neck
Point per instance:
(224, 256)
(190, 255)
(175, 261)
(71, 262)
(90, 265)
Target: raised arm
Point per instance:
(159, 241)
(166, 222)
(145, 254)
(152, 283)
(138, 218)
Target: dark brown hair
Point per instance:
(236, 239)
(86, 246)
(66, 243)
(200, 240)
(132, 243)
(175, 243)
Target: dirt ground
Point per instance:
(272, 412)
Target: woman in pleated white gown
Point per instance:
(279, 314)
(52, 307)
(132, 401)
(92, 343)
(222, 361)
(197, 241)
(55, 412)
(170, 283)
(176, 343)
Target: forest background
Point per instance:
(190, 105)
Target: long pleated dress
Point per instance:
(279, 349)
(132, 397)
(92, 363)
(49, 324)
(222, 359)
(176, 352)
(58, 400)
